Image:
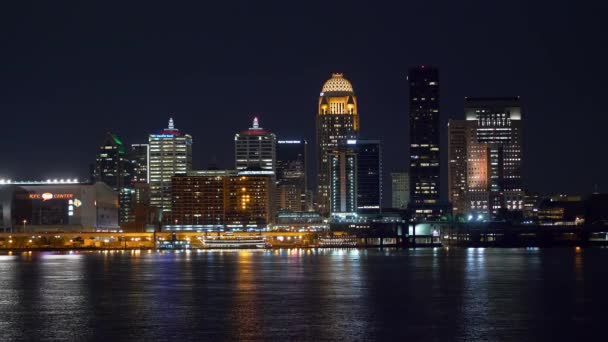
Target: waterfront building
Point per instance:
(337, 123)
(343, 181)
(424, 142)
(561, 210)
(457, 165)
(369, 174)
(249, 199)
(400, 190)
(220, 199)
(494, 156)
(291, 168)
(170, 153)
(299, 221)
(255, 148)
(530, 208)
(596, 209)
(57, 206)
(198, 198)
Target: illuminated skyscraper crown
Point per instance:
(337, 83)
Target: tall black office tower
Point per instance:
(369, 174)
(424, 141)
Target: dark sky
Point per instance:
(70, 71)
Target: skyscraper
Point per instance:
(113, 167)
(255, 148)
(337, 123)
(136, 196)
(458, 133)
(170, 153)
(494, 155)
(369, 174)
(400, 188)
(424, 140)
(485, 159)
(343, 181)
(139, 156)
(291, 175)
(111, 163)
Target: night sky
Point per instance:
(71, 71)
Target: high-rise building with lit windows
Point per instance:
(255, 148)
(198, 199)
(170, 154)
(494, 156)
(337, 123)
(458, 133)
(424, 141)
(249, 200)
(212, 199)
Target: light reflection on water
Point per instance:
(304, 294)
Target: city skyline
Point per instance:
(303, 170)
(444, 144)
(75, 99)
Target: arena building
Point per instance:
(57, 206)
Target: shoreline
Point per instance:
(4, 251)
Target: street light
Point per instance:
(24, 222)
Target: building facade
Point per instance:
(111, 163)
(458, 132)
(369, 174)
(113, 167)
(424, 140)
(493, 150)
(221, 199)
(343, 181)
(494, 156)
(170, 154)
(139, 157)
(291, 172)
(255, 149)
(58, 206)
(198, 198)
(337, 123)
(400, 190)
(249, 199)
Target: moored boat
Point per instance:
(338, 241)
(235, 242)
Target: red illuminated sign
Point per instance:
(48, 196)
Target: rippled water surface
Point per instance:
(424, 294)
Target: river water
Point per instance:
(425, 294)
